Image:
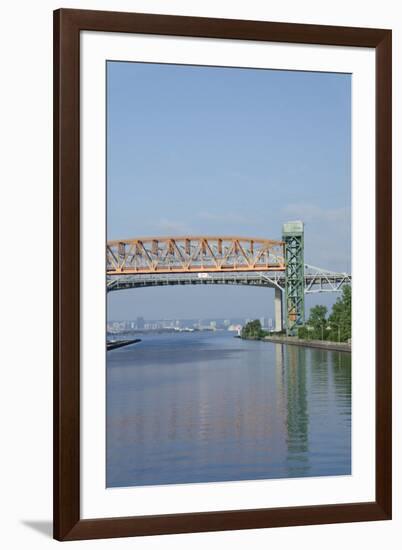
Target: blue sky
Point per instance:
(212, 150)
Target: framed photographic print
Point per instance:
(222, 235)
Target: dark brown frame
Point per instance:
(67, 26)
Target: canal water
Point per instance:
(203, 406)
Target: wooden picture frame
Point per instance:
(68, 524)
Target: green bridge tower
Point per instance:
(293, 237)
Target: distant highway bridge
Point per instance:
(189, 260)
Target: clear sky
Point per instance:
(213, 150)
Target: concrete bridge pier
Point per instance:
(278, 310)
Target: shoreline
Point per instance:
(321, 344)
(120, 343)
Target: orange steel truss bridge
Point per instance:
(188, 260)
(193, 255)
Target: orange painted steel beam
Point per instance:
(189, 254)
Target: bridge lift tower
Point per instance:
(293, 237)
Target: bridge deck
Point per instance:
(316, 280)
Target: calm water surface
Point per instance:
(194, 407)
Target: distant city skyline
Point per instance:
(209, 150)
(183, 325)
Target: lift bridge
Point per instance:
(189, 260)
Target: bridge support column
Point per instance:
(278, 310)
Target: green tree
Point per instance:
(340, 320)
(337, 327)
(317, 323)
(303, 333)
(253, 330)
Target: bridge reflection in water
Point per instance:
(189, 408)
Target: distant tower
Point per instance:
(293, 237)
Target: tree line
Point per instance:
(336, 327)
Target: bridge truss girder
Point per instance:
(193, 254)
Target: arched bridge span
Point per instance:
(188, 260)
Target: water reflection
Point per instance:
(296, 412)
(208, 407)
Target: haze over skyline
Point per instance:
(211, 150)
